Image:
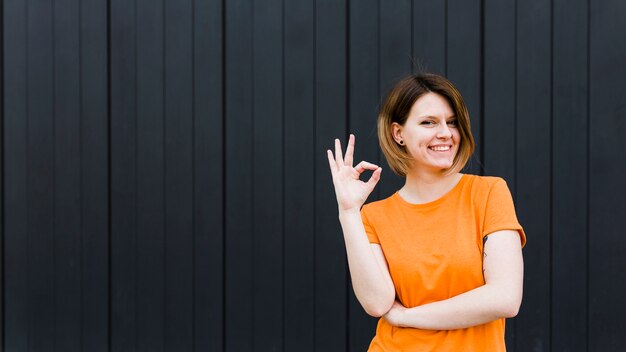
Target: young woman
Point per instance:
(440, 260)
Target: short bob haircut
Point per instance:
(396, 108)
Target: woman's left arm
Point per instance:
(500, 297)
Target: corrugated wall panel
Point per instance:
(165, 184)
(607, 167)
(299, 178)
(570, 162)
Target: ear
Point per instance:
(396, 132)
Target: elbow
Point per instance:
(506, 301)
(373, 312)
(377, 311)
(510, 312)
(511, 308)
(379, 307)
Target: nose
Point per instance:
(444, 131)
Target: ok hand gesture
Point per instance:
(351, 192)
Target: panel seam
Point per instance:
(193, 176)
(588, 181)
(282, 184)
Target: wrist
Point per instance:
(402, 317)
(349, 212)
(397, 315)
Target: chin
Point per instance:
(442, 166)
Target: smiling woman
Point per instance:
(430, 134)
(438, 101)
(420, 259)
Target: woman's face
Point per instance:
(430, 133)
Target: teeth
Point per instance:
(440, 148)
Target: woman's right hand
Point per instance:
(351, 192)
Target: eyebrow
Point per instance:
(435, 117)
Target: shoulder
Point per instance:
(484, 183)
(378, 205)
(482, 188)
(379, 208)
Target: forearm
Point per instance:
(478, 306)
(500, 297)
(371, 282)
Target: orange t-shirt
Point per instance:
(434, 251)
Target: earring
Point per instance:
(401, 142)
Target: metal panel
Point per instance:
(570, 162)
(178, 175)
(394, 64)
(330, 122)
(150, 161)
(299, 175)
(40, 182)
(363, 100)
(67, 175)
(15, 251)
(607, 167)
(267, 174)
(533, 173)
(239, 271)
(499, 102)
(123, 175)
(95, 176)
(464, 50)
(208, 176)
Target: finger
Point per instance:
(349, 151)
(338, 155)
(374, 178)
(364, 165)
(331, 162)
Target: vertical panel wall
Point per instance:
(40, 178)
(330, 122)
(95, 186)
(165, 184)
(123, 178)
(363, 101)
(150, 139)
(208, 105)
(1, 175)
(570, 162)
(15, 247)
(464, 65)
(239, 270)
(67, 285)
(166, 174)
(394, 54)
(499, 102)
(178, 174)
(299, 175)
(55, 151)
(607, 165)
(267, 152)
(533, 134)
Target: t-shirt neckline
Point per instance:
(435, 202)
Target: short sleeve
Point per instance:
(500, 211)
(369, 229)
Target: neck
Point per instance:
(423, 186)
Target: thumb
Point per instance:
(374, 178)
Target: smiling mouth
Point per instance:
(440, 148)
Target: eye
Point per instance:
(427, 123)
(452, 123)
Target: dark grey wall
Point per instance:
(164, 182)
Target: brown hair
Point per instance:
(397, 106)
